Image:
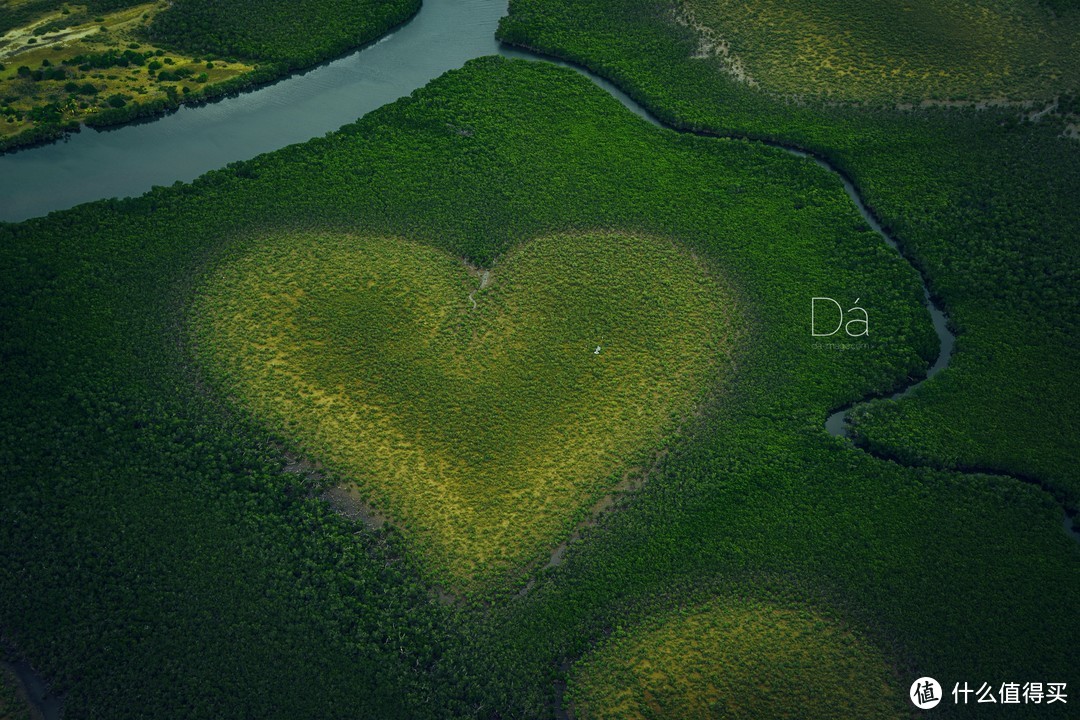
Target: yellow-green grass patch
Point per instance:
(484, 421)
(734, 658)
(898, 50)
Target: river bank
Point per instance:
(33, 690)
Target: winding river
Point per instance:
(129, 160)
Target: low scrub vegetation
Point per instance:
(484, 420)
(898, 50)
(736, 658)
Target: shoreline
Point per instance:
(136, 113)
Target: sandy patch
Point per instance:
(712, 45)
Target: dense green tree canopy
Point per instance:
(288, 33)
(158, 562)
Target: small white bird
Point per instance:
(596, 351)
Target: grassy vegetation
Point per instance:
(95, 67)
(983, 201)
(107, 62)
(158, 563)
(486, 431)
(898, 50)
(736, 658)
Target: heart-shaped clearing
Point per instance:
(484, 417)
